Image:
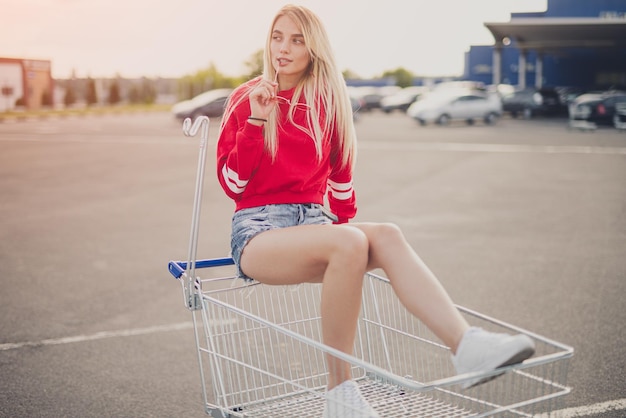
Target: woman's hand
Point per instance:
(263, 99)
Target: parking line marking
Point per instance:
(588, 410)
(99, 336)
(494, 148)
(131, 332)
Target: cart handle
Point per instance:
(178, 268)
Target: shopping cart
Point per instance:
(261, 353)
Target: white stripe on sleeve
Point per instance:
(231, 178)
(340, 191)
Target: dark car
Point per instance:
(371, 101)
(533, 101)
(568, 94)
(596, 108)
(370, 97)
(210, 103)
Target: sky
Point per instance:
(173, 38)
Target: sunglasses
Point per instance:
(289, 102)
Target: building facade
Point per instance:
(25, 83)
(578, 43)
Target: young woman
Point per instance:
(286, 143)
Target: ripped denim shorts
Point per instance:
(249, 222)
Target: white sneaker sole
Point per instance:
(525, 349)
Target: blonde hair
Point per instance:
(322, 86)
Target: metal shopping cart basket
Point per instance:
(261, 354)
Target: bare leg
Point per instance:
(336, 255)
(415, 284)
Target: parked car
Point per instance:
(370, 96)
(501, 90)
(441, 108)
(568, 94)
(597, 108)
(402, 99)
(210, 103)
(532, 101)
(619, 120)
(371, 101)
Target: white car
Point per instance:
(444, 107)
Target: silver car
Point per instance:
(444, 107)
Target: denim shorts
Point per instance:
(247, 223)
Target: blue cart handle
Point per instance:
(178, 268)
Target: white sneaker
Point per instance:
(480, 350)
(346, 401)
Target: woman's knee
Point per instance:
(386, 241)
(352, 246)
(388, 233)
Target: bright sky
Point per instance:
(172, 38)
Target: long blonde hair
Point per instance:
(322, 85)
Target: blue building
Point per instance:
(578, 43)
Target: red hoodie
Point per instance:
(250, 177)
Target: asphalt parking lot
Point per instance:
(524, 221)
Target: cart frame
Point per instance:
(260, 351)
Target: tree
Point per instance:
(208, 79)
(134, 96)
(143, 92)
(254, 65)
(46, 98)
(147, 92)
(114, 93)
(350, 75)
(404, 78)
(70, 95)
(91, 97)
